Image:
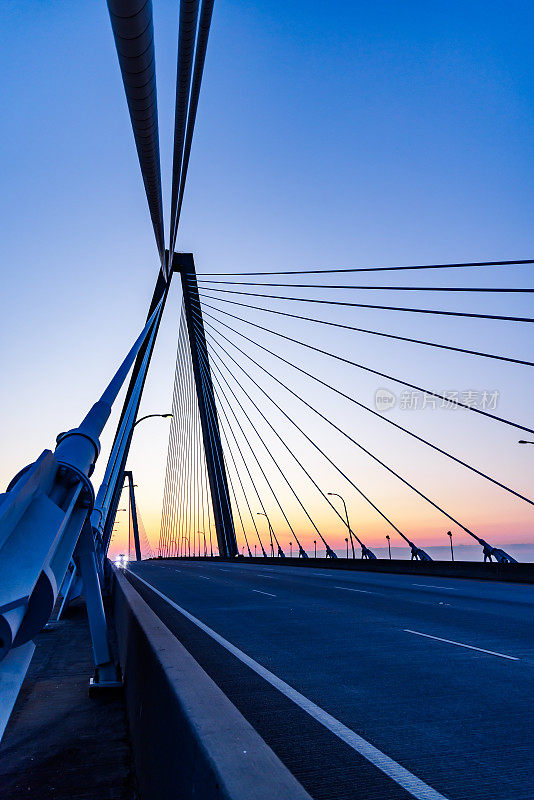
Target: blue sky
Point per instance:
(327, 136)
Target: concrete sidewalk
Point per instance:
(60, 744)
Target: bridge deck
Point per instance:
(434, 673)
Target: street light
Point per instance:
(334, 494)
(263, 514)
(388, 537)
(290, 549)
(366, 553)
(205, 548)
(149, 416)
(449, 534)
(347, 543)
(315, 546)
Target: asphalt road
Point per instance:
(367, 685)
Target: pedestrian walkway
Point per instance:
(61, 744)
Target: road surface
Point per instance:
(367, 686)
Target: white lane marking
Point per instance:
(460, 644)
(225, 570)
(205, 577)
(267, 593)
(430, 586)
(271, 577)
(361, 591)
(414, 785)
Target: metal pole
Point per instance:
(334, 494)
(220, 497)
(389, 544)
(449, 534)
(263, 514)
(133, 511)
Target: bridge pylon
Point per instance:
(183, 263)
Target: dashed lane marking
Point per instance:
(430, 586)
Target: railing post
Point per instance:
(222, 512)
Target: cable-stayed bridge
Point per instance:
(265, 644)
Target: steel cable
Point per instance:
(450, 401)
(347, 304)
(227, 440)
(375, 288)
(219, 372)
(343, 433)
(133, 31)
(202, 367)
(204, 24)
(223, 393)
(465, 264)
(359, 330)
(372, 411)
(343, 474)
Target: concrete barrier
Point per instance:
(513, 573)
(189, 741)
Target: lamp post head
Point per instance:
(151, 416)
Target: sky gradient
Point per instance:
(364, 134)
